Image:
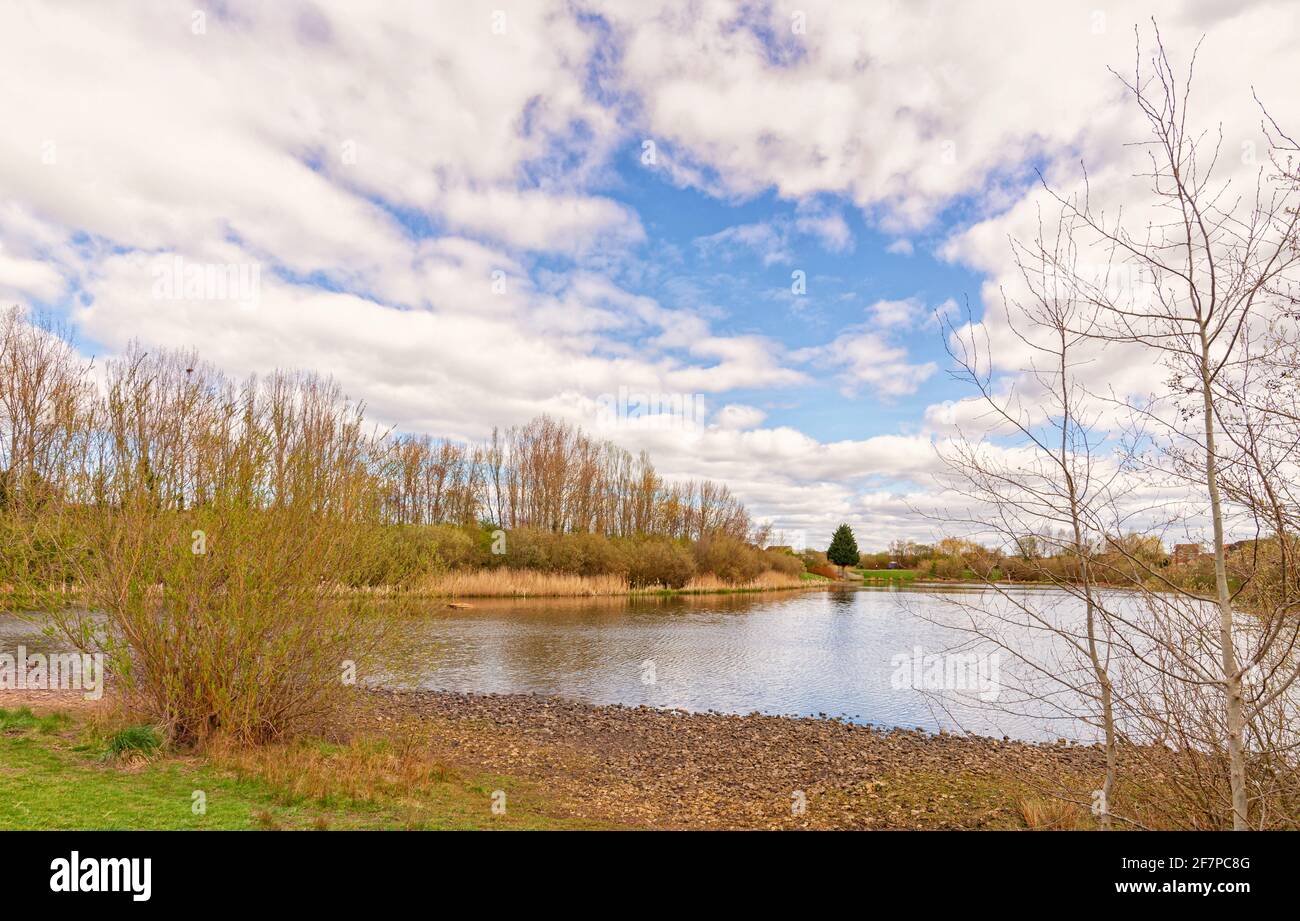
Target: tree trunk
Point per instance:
(1231, 674)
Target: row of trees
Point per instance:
(551, 476)
(1027, 557)
(208, 535)
(174, 426)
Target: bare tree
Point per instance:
(1210, 275)
(1038, 479)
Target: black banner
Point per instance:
(333, 870)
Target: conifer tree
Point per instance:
(843, 550)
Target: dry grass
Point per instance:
(523, 583)
(504, 582)
(766, 581)
(1054, 815)
(366, 771)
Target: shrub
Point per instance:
(945, 567)
(876, 560)
(459, 546)
(407, 551)
(812, 559)
(527, 548)
(585, 554)
(658, 561)
(729, 559)
(215, 558)
(787, 564)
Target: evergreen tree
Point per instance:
(843, 550)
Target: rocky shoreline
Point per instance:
(643, 767)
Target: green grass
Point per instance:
(13, 722)
(812, 577)
(141, 739)
(56, 774)
(905, 575)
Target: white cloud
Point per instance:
(379, 165)
(777, 241)
(739, 416)
(864, 359)
(763, 239)
(535, 220)
(902, 314)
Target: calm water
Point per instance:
(812, 653)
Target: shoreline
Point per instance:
(567, 763)
(635, 592)
(672, 769)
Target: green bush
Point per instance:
(813, 558)
(460, 546)
(658, 561)
(586, 554)
(527, 548)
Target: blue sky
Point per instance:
(754, 294)
(452, 213)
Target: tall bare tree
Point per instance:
(1211, 272)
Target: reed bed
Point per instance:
(770, 580)
(505, 582)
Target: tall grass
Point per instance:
(768, 580)
(504, 582)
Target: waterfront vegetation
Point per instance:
(60, 772)
(225, 544)
(234, 548)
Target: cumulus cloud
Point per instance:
(433, 206)
(739, 416)
(865, 360)
(536, 220)
(902, 314)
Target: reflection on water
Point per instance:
(812, 653)
(825, 652)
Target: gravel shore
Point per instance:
(642, 767)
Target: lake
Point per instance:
(833, 652)
(882, 656)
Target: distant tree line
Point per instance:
(551, 476)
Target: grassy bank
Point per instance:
(887, 575)
(430, 760)
(64, 772)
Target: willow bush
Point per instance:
(214, 535)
